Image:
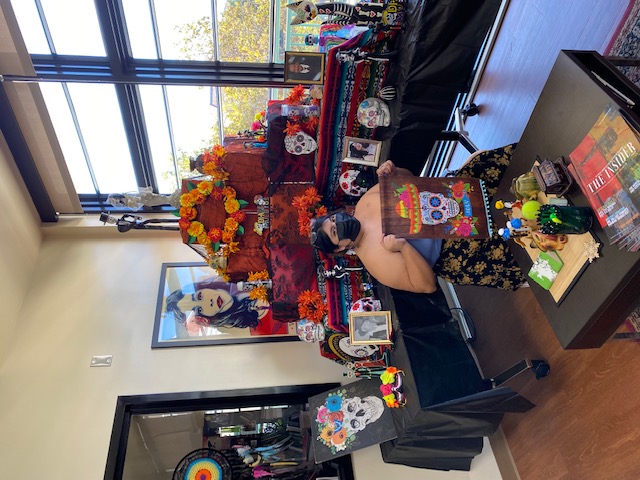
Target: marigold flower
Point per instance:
(238, 216)
(231, 225)
(215, 234)
(186, 200)
(198, 197)
(259, 292)
(231, 205)
(216, 193)
(184, 224)
(261, 275)
(188, 213)
(218, 150)
(195, 229)
(205, 187)
(227, 237)
(229, 192)
(203, 238)
(233, 247)
(292, 128)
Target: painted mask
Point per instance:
(348, 184)
(373, 112)
(299, 143)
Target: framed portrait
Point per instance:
(306, 68)
(370, 328)
(361, 151)
(197, 307)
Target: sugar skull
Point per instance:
(373, 112)
(366, 304)
(356, 351)
(348, 184)
(436, 208)
(360, 412)
(309, 331)
(299, 143)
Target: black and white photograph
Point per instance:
(370, 328)
(361, 151)
(304, 67)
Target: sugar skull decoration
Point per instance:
(424, 208)
(300, 143)
(309, 331)
(349, 185)
(366, 304)
(373, 113)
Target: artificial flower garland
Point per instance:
(308, 206)
(391, 387)
(311, 306)
(258, 292)
(217, 241)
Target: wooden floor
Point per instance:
(586, 424)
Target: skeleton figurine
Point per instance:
(356, 55)
(339, 271)
(367, 14)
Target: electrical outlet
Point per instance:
(101, 360)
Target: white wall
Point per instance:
(92, 295)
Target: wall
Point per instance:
(95, 295)
(19, 245)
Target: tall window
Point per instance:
(136, 87)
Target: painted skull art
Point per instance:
(360, 412)
(357, 351)
(366, 304)
(436, 208)
(300, 143)
(348, 184)
(373, 112)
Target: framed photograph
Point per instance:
(370, 328)
(361, 151)
(197, 307)
(306, 68)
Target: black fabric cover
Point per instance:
(438, 48)
(450, 407)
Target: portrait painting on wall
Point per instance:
(348, 418)
(370, 328)
(361, 151)
(306, 68)
(197, 307)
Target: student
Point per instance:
(413, 265)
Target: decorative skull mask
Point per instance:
(436, 208)
(357, 351)
(358, 413)
(373, 112)
(299, 143)
(348, 184)
(366, 304)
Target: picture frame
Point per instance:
(306, 68)
(370, 328)
(196, 307)
(361, 151)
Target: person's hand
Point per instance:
(387, 168)
(393, 243)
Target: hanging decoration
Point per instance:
(391, 387)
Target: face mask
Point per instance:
(347, 226)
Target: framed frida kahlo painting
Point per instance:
(197, 307)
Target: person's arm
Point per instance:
(419, 273)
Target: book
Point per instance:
(435, 207)
(545, 269)
(605, 165)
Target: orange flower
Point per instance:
(184, 224)
(311, 306)
(229, 192)
(215, 234)
(218, 150)
(238, 216)
(259, 293)
(261, 275)
(186, 200)
(233, 247)
(227, 237)
(197, 196)
(195, 229)
(231, 205)
(310, 125)
(292, 128)
(295, 96)
(339, 437)
(205, 188)
(188, 213)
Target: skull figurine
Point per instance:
(348, 184)
(358, 413)
(373, 112)
(366, 304)
(300, 143)
(357, 351)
